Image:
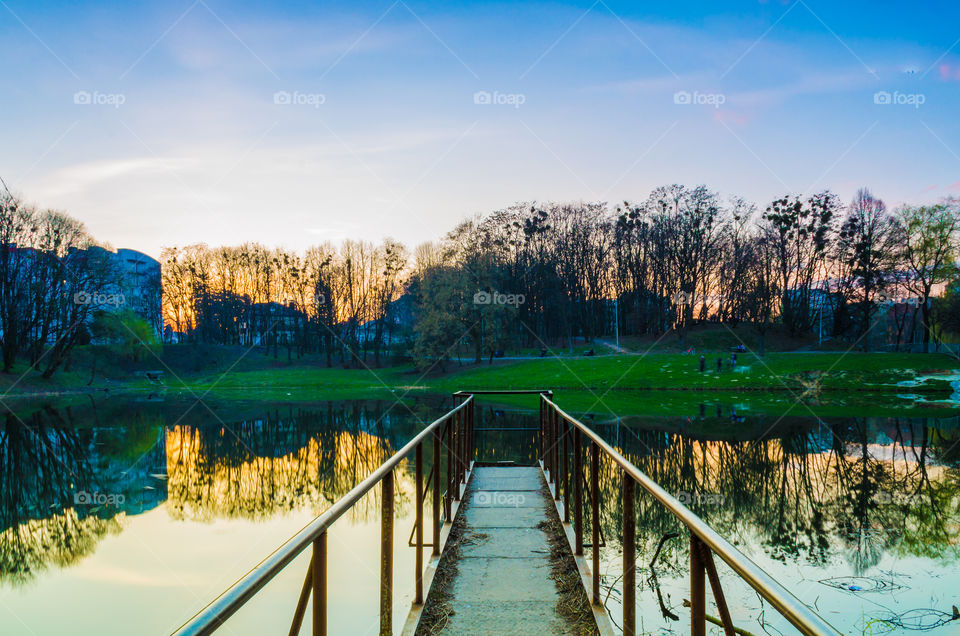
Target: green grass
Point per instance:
(777, 371)
(788, 372)
(658, 383)
(825, 384)
(24, 380)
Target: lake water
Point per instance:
(121, 517)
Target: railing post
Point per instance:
(447, 508)
(549, 438)
(461, 448)
(629, 557)
(698, 603)
(548, 450)
(543, 443)
(577, 493)
(465, 425)
(437, 454)
(305, 592)
(566, 471)
(706, 554)
(472, 446)
(552, 440)
(595, 517)
(386, 557)
(455, 446)
(556, 453)
(418, 592)
(320, 585)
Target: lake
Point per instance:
(121, 516)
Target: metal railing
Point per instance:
(559, 434)
(453, 430)
(560, 437)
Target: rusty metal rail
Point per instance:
(560, 436)
(556, 429)
(455, 427)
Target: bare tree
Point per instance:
(866, 257)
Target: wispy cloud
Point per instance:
(806, 85)
(199, 150)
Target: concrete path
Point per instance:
(503, 583)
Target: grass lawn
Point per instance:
(791, 372)
(852, 383)
(827, 383)
(777, 371)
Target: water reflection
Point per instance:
(850, 502)
(868, 485)
(857, 505)
(66, 484)
(301, 459)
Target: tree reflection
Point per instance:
(70, 476)
(256, 469)
(804, 490)
(40, 466)
(809, 491)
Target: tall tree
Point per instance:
(866, 257)
(929, 251)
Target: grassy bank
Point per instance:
(776, 371)
(787, 372)
(655, 383)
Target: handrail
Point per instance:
(457, 425)
(211, 617)
(795, 611)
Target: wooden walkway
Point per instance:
(503, 582)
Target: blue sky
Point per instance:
(187, 135)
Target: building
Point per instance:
(140, 285)
(272, 323)
(137, 277)
(821, 305)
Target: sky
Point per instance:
(293, 123)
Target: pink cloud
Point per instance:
(930, 188)
(727, 116)
(948, 72)
(953, 187)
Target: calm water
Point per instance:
(128, 517)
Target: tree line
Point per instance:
(541, 275)
(338, 300)
(50, 283)
(533, 275)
